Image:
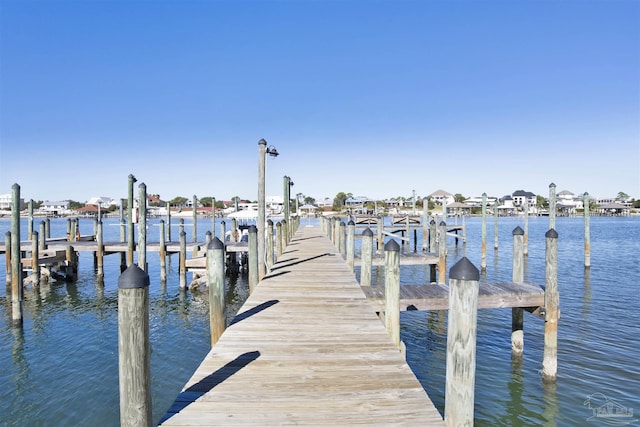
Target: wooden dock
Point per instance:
(306, 348)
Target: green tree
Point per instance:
(459, 198)
(542, 202)
(178, 201)
(339, 199)
(206, 201)
(309, 200)
(622, 196)
(75, 205)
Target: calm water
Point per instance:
(61, 368)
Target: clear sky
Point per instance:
(374, 98)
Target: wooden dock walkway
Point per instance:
(305, 348)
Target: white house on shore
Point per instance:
(5, 201)
(441, 197)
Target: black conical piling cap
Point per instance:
(351, 222)
(551, 234)
(392, 245)
(133, 278)
(518, 231)
(442, 223)
(367, 232)
(215, 244)
(433, 221)
(464, 270)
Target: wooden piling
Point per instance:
(182, 269)
(552, 308)
(29, 219)
(425, 225)
(142, 226)
(269, 245)
(392, 290)
(7, 257)
(552, 206)
(283, 235)
(47, 228)
(341, 238)
(495, 226)
(134, 351)
(517, 313)
(16, 268)
(366, 257)
(130, 230)
(100, 250)
(235, 235)
(194, 234)
(442, 253)
(253, 257)
(35, 256)
(483, 250)
(43, 236)
(351, 243)
(215, 282)
(525, 236)
(433, 236)
(213, 217)
(278, 240)
(69, 238)
(168, 207)
(587, 233)
(461, 343)
(223, 231)
(163, 252)
(380, 230)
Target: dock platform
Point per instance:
(305, 348)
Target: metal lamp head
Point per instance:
(271, 150)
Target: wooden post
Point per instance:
(69, 238)
(461, 343)
(47, 228)
(483, 251)
(351, 243)
(35, 255)
(552, 308)
(525, 237)
(278, 240)
(425, 225)
(269, 245)
(29, 219)
(194, 237)
(380, 230)
(392, 290)
(162, 253)
(587, 236)
(100, 251)
(134, 352)
(341, 237)
(433, 236)
(223, 231)
(182, 269)
(180, 227)
(16, 267)
(72, 264)
(215, 282)
(517, 313)
(213, 217)
(283, 235)
(552, 206)
(43, 236)
(253, 258)
(442, 254)
(168, 206)
(7, 257)
(366, 257)
(142, 226)
(130, 231)
(495, 226)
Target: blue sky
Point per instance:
(375, 98)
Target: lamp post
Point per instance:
(263, 150)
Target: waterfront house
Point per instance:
(55, 208)
(442, 198)
(5, 201)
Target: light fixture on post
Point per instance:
(263, 150)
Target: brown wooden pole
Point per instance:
(215, 283)
(552, 308)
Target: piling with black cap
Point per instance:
(142, 226)
(182, 261)
(392, 290)
(278, 240)
(215, 282)
(133, 347)
(366, 257)
(517, 313)
(552, 308)
(253, 257)
(461, 343)
(442, 253)
(341, 240)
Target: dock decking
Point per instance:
(305, 348)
